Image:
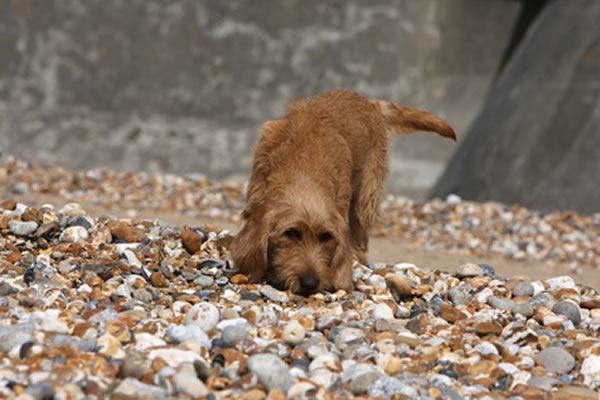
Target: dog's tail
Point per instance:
(402, 119)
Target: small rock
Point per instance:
(271, 371)
(74, 234)
(382, 311)
(556, 359)
(144, 341)
(21, 228)
(400, 287)
(460, 295)
(348, 337)
(132, 388)
(186, 381)
(204, 315)
(360, 377)
(235, 332)
(523, 289)
(41, 391)
(110, 346)
(590, 369)
(293, 332)
(8, 204)
(387, 387)
(569, 309)
(273, 294)
(500, 303)
(125, 232)
(191, 240)
(561, 282)
(174, 357)
(486, 349)
(468, 270)
(181, 333)
(204, 281)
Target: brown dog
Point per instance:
(317, 181)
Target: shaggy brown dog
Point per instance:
(317, 181)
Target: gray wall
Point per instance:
(537, 140)
(181, 86)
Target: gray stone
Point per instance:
(387, 387)
(460, 295)
(545, 299)
(523, 289)
(273, 294)
(500, 303)
(525, 309)
(347, 337)
(7, 289)
(235, 332)
(22, 228)
(204, 281)
(41, 391)
(15, 335)
(181, 333)
(131, 387)
(360, 376)
(543, 382)
(271, 371)
(568, 309)
(556, 359)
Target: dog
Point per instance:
(317, 181)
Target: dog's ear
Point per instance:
(270, 137)
(249, 247)
(341, 276)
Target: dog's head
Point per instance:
(301, 246)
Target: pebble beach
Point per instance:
(131, 307)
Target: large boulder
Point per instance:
(537, 139)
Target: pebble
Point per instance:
(204, 315)
(74, 234)
(181, 333)
(460, 295)
(590, 369)
(87, 319)
(271, 371)
(382, 311)
(360, 376)
(186, 381)
(293, 333)
(523, 289)
(273, 294)
(388, 387)
(468, 270)
(132, 388)
(569, 309)
(21, 228)
(235, 332)
(556, 359)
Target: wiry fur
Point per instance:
(320, 172)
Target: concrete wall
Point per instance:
(537, 140)
(181, 86)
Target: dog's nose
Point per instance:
(309, 283)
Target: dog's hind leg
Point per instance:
(368, 194)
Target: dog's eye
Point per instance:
(325, 237)
(293, 234)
